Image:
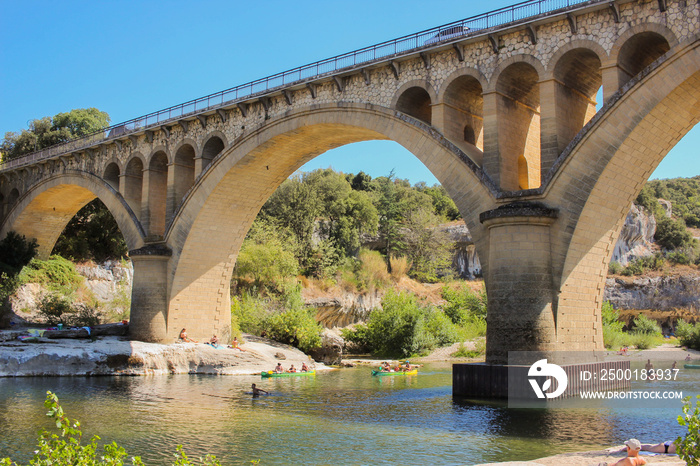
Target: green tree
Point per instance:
(92, 234)
(47, 131)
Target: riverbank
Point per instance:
(110, 355)
(609, 456)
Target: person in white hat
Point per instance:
(634, 446)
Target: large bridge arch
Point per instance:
(46, 208)
(601, 175)
(209, 229)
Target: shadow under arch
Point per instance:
(210, 226)
(46, 208)
(600, 173)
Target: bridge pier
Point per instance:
(519, 284)
(149, 295)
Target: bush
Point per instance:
(688, 334)
(400, 266)
(57, 274)
(296, 327)
(614, 268)
(645, 264)
(56, 309)
(463, 352)
(85, 315)
(688, 447)
(463, 305)
(644, 325)
(249, 311)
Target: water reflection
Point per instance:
(338, 417)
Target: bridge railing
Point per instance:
(452, 32)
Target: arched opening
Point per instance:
(111, 175)
(157, 174)
(518, 112)
(133, 185)
(270, 156)
(183, 174)
(12, 198)
(578, 79)
(415, 101)
(212, 148)
(464, 112)
(523, 180)
(638, 53)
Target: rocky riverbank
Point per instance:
(113, 355)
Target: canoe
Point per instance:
(285, 374)
(691, 366)
(382, 373)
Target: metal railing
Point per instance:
(458, 30)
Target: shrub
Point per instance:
(85, 315)
(644, 325)
(56, 309)
(614, 268)
(400, 266)
(56, 273)
(463, 352)
(645, 264)
(296, 327)
(372, 272)
(249, 310)
(463, 305)
(688, 334)
(688, 447)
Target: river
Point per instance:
(337, 417)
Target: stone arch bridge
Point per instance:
(504, 116)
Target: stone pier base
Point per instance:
(491, 381)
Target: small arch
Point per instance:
(464, 111)
(111, 175)
(523, 179)
(638, 52)
(157, 173)
(12, 197)
(183, 176)
(518, 116)
(416, 101)
(213, 147)
(577, 79)
(133, 184)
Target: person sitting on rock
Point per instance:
(184, 338)
(304, 367)
(214, 341)
(235, 344)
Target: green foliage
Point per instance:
(46, 132)
(642, 324)
(66, 448)
(643, 265)
(296, 327)
(463, 305)
(267, 257)
(15, 253)
(688, 446)
(92, 234)
(688, 334)
(684, 194)
(611, 317)
(673, 234)
(249, 311)
(478, 351)
(444, 206)
(615, 268)
(55, 309)
(56, 273)
(403, 328)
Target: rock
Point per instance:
(636, 237)
(281, 356)
(658, 293)
(667, 206)
(331, 350)
(345, 309)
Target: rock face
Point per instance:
(344, 310)
(636, 237)
(331, 350)
(657, 293)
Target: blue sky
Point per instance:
(130, 58)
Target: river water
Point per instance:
(337, 417)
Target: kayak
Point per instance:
(691, 366)
(411, 372)
(285, 374)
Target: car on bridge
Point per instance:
(447, 34)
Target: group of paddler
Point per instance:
(279, 369)
(405, 367)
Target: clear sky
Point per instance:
(130, 58)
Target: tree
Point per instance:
(47, 131)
